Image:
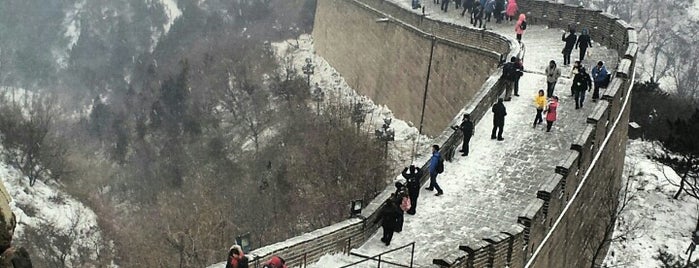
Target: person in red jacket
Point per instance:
(275, 262)
(551, 113)
(236, 258)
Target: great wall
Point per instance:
(383, 48)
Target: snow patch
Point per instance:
(44, 203)
(656, 220)
(172, 11)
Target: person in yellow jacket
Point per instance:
(540, 104)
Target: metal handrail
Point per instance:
(378, 257)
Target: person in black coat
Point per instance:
(584, 42)
(413, 184)
(570, 43)
(499, 112)
(499, 10)
(468, 6)
(388, 217)
(581, 82)
(466, 128)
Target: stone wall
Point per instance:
(577, 231)
(388, 61)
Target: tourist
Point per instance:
(499, 113)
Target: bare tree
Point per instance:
(680, 152)
(248, 103)
(72, 246)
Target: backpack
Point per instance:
(523, 26)
(440, 165)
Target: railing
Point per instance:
(378, 257)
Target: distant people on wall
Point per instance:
(540, 105)
(402, 200)
(436, 168)
(601, 78)
(468, 7)
(581, 82)
(416, 4)
(412, 175)
(445, 5)
(583, 43)
(236, 258)
(466, 128)
(551, 112)
(389, 219)
(552, 75)
(275, 262)
(499, 113)
(509, 76)
(488, 8)
(511, 10)
(499, 10)
(519, 72)
(576, 67)
(477, 16)
(520, 27)
(570, 40)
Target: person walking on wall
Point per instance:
(468, 7)
(552, 75)
(581, 82)
(466, 128)
(499, 113)
(445, 5)
(389, 218)
(551, 113)
(540, 104)
(403, 202)
(583, 42)
(275, 262)
(489, 8)
(509, 75)
(436, 167)
(499, 10)
(601, 78)
(236, 258)
(573, 71)
(477, 15)
(511, 10)
(458, 4)
(412, 175)
(520, 26)
(519, 72)
(416, 4)
(570, 43)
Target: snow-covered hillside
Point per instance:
(653, 220)
(48, 211)
(335, 88)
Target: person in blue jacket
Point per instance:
(601, 78)
(435, 161)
